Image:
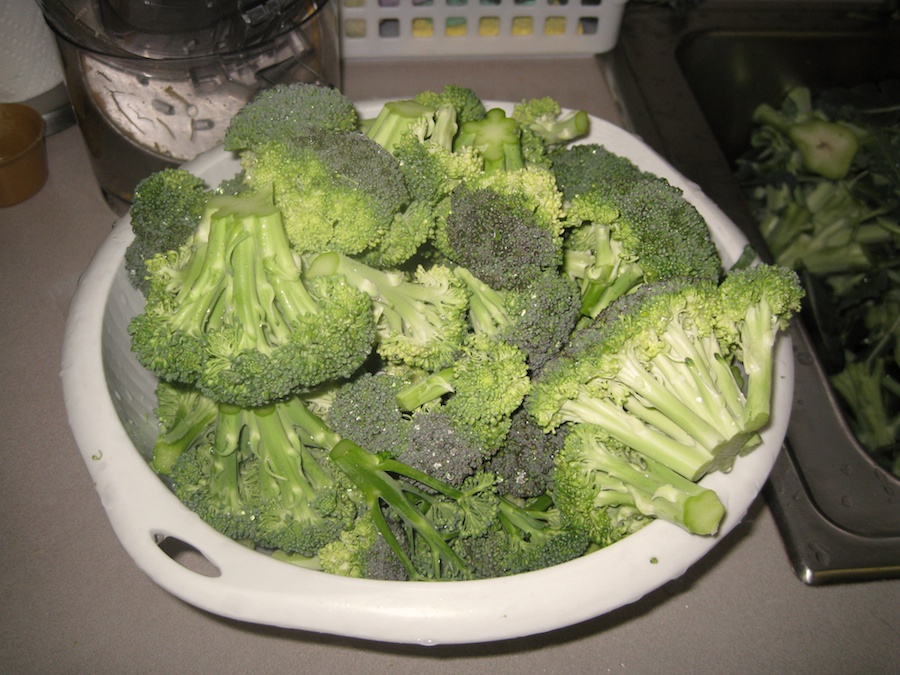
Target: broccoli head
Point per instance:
(286, 109)
(230, 312)
(166, 208)
(604, 487)
(337, 190)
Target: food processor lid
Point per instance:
(174, 29)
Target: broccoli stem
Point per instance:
(691, 461)
(401, 302)
(496, 137)
(486, 307)
(369, 473)
(758, 333)
(430, 388)
(180, 436)
(393, 120)
(659, 492)
(206, 278)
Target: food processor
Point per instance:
(154, 83)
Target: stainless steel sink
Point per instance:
(687, 84)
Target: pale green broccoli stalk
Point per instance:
(337, 190)
(281, 111)
(166, 209)
(597, 479)
(825, 148)
(496, 137)
(185, 418)
(231, 313)
(394, 120)
(421, 319)
(755, 305)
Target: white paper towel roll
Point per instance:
(29, 60)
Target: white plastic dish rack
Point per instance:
(431, 28)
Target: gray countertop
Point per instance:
(74, 602)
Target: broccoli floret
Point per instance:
(286, 109)
(755, 305)
(231, 313)
(263, 478)
(496, 137)
(537, 318)
(166, 209)
(544, 126)
(524, 462)
(627, 227)
(597, 480)
(304, 500)
(443, 446)
(526, 536)
(362, 553)
(421, 319)
(365, 410)
(185, 418)
(395, 119)
(545, 118)
(480, 390)
(498, 237)
(463, 100)
(218, 479)
(337, 190)
(654, 373)
(429, 164)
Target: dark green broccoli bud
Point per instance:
(284, 110)
(526, 536)
(524, 462)
(538, 318)
(496, 137)
(421, 319)
(185, 417)
(499, 238)
(627, 228)
(653, 372)
(166, 209)
(442, 447)
(337, 190)
(365, 410)
(231, 313)
(609, 490)
(465, 101)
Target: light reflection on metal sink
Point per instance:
(687, 84)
